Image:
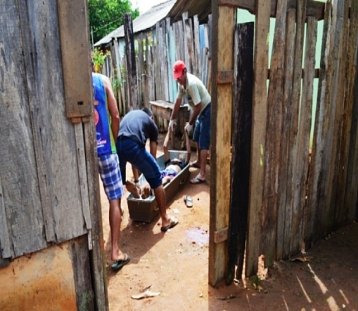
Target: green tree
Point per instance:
(107, 15)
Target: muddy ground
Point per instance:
(174, 266)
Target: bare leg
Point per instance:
(162, 204)
(197, 163)
(115, 219)
(203, 157)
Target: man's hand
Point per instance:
(172, 124)
(188, 128)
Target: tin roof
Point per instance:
(143, 22)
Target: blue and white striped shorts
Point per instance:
(110, 173)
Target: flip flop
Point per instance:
(120, 263)
(172, 224)
(188, 200)
(197, 180)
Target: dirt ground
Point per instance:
(174, 266)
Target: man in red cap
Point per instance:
(199, 101)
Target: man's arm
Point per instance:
(112, 107)
(153, 148)
(195, 112)
(176, 108)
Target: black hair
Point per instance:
(147, 111)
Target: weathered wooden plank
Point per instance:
(96, 238)
(196, 44)
(189, 38)
(224, 20)
(296, 93)
(241, 142)
(326, 218)
(273, 138)
(304, 128)
(284, 216)
(83, 179)
(81, 270)
(21, 200)
(5, 247)
(352, 97)
(171, 59)
(164, 61)
(150, 72)
(315, 194)
(258, 134)
(72, 19)
(343, 118)
(131, 62)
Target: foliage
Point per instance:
(107, 15)
(98, 56)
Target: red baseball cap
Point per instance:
(178, 68)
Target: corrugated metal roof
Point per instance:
(143, 22)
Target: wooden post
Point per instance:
(131, 64)
(224, 20)
(273, 138)
(259, 112)
(241, 142)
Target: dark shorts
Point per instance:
(130, 151)
(201, 133)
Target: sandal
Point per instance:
(120, 263)
(172, 224)
(197, 180)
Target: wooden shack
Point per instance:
(51, 249)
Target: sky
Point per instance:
(145, 5)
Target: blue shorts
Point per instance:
(201, 133)
(108, 167)
(130, 151)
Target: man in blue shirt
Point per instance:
(136, 127)
(106, 119)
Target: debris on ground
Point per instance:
(145, 293)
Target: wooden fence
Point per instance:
(285, 192)
(155, 53)
(299, 194)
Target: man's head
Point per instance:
(147, 111)
(179, 71)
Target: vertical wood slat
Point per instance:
(197, 67)
(83, 180)
(258, 133)
(97, 253)
(186, 57)
(292, 203)
(325, 212)
(75, 49)
(350, 200)
(336, 103)
(139, 73)
(224, 20)
(304, 128)
(315, 193)
(273, 136)
(339, 174)
(284, 216)
(131, 62)
(241, 142)
(5, 247)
